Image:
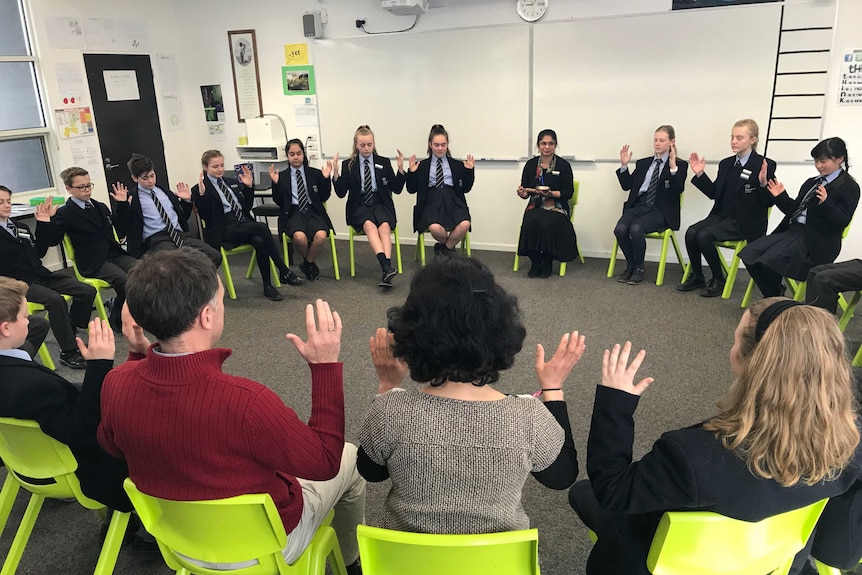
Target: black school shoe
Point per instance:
(73, 359)
(388, 275)
(692, 283)
(269, 292)
(291, 278)
(636, 278)
(713, 288)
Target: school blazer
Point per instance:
(417, 183)
(90, 231)
(318, 188)
(752, 201)
(350, 180)
(19, 258)
(563, 181)
(211, 209)
(670, 187)
(824, 222)
(129, 218)
(687, 469)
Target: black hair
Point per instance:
(299, 143)
(5, 189)
(832, 149)
(139, 165)
(439, 130)
(457, 324)
(546, 132)
(166, 290)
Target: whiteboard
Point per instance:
(473, 81)
(607, 82)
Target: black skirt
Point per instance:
(549, 232)
(444, 207)
(309, 223)
(784, 253)
(376, 213)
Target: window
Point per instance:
(24, 160)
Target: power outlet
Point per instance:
(360, 22)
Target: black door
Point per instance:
(129, 125)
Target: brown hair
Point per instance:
(439, 130)
(208, 156)
(69, 174)
(752, 129)
(12, 293)
(667, 129)
(790, 412)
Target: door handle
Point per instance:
(109, 165)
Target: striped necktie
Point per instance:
(808, 197)
(169, 226)
(737, 164)
(367, 189)
(88, 205)
(652, 189)
(234, 206)
(438, 175)
(301, 193)
(10, 225)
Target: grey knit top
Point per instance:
(458, 466)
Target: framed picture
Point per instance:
(246, 78)
(685, 4)
(298, 80)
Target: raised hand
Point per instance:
(671, 161)
(469, 162)
(697, 163)
(821, 194)
(326, 170)
(324, 337)
(625, 155)
(391, 371)
(119, 192)
(775, 187)
(399, 161)
(101, 345)
(201, 189)
(134, 334)
(414, 163)
(553, 374)
(46, 210)
(273, 174)
(619, 374)
(245, 176)
(184, 192)
(762, 175)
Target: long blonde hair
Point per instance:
(790, 412)
(753, 129)
(362, 130)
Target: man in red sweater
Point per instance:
(191, 432)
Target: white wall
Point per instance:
(195, 31)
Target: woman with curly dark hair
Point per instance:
(457, 450)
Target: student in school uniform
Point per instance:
(20, 259)
(441, 183)
(370, 181)
(546, 230)
(224, 204)
(152, 217)
(89, 225)
(300, 192)
(810, 234)
(741, 206)
(653, 204)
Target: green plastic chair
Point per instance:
(857, 359)
(666, 236)
(706, 543)
(96, 283)
(44, 354)
(232, 530)
(419, 255)
(730, 268)
(46, 468)
(573, 201)
(354, 233)
(386, 552)
(286, 239)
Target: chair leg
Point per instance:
(352, 260)
(662, 262)
(465, 245)
(613, 263)
(7, 498)
(23, 535)
(228, 280)
(562, 269)
(732, 269)
(419, 254)
(849, 310)
(746, 299)
(275, 273)
(398, 251)
(45, 356)
(679, 257)
(334, 254)
(323, 549)
(517, 257)
(100, 305)
(857, 359)
(253, 260)
(113, 542)
(286, 252)
(799, 292)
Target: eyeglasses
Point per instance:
(83, 187)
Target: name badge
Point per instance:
(745, 174)
(314, 188)
(460, 183)
(667, 184)
(234, 186)
(748, 189)
(385, 182)
(555, 173)
(378, 167)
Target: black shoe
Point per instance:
(73, 359)
(547, 268)
(692, 283)
(270, 292)
(439, 248)
(109, 306)
(310, 270)
(354, 568)
(624, 277)
(388, 276)
(115, 320)
(636, 278)
(535, 268)
(713, 288)
(315, 271)
(291, 278)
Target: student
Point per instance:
(63, 411)
(441, 207)
(224, 204)
(653, 204)
(785, 436)
(825, 282)
(152, 219)
(235, 436)
(90, 228)
(19, 259)
(810, 234)
(741, 206)
(300, 192)
(371, 182)
(546, 230)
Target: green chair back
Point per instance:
(706, 543)
(96, 283)
(386, 552)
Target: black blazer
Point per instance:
(129, 218)
(19, 258)
(350, 180)
(687, 469)
(670, 187)
(752, 200)
(90, 231)
(211, 209)
(418, 182)
(824, 222)
(317, 187)
(563, 180)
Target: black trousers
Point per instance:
(37, 331)
(632, 228)
(258, 235)
(699, 238)
(47, 290)
(162, 241)
(826, 281)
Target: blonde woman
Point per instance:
(785, 436)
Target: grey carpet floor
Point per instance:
(687, 339)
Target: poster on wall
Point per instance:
(246, 78)
(74, 122)
(297, 80)
(296, 54)
(171, 105)
(684, 4)
(213, 111)
(850, 90)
